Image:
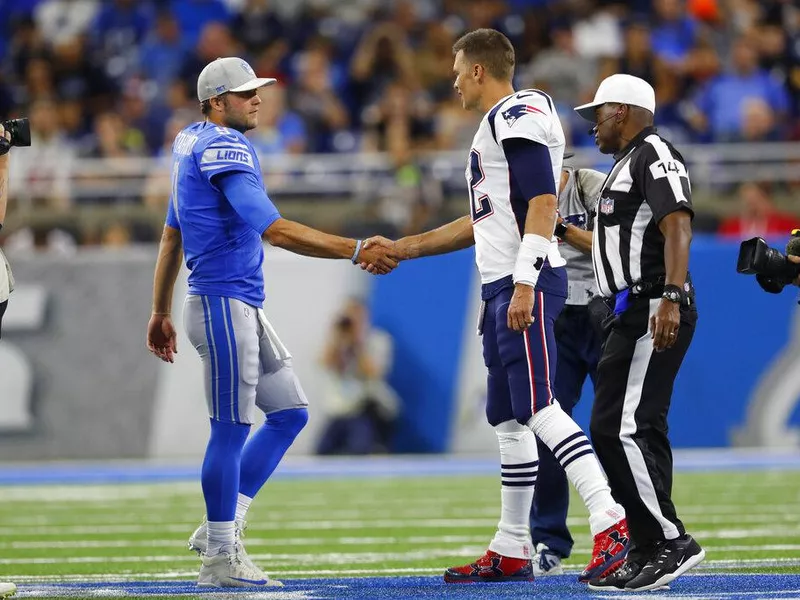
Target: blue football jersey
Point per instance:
(221, 236)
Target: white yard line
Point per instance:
(43, 527)
(58, 530)
(250, 541)
(178, 545)
(268, 558)
(277, 560)
(344, 519)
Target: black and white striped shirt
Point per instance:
(648, 182)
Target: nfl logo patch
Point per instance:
(606, 205)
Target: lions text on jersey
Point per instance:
(221, 235)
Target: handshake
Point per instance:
(380, 256)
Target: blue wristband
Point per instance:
(358, 249)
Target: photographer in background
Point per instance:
(6, 279)
(361, 406)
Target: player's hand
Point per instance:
(796, 260)
(162, 340)
(379, 255)
(520, 310)
(664, 325)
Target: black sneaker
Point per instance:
(672, 559)
(617, 580)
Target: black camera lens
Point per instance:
(20, 130)
(771, 266)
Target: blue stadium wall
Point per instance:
(742, 331)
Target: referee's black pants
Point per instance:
(629, 422)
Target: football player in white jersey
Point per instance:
(512, 172)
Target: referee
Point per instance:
(640, 254)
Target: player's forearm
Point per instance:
(541, 217)
(168, 264)
(304, 240)
(677, 230)
(3, 188)
(580, 239)
(456, 235)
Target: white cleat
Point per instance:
(7, 590)
(227, 569)
(198, 542)
(546, 562)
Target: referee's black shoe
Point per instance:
(672, 559)
(616, 581)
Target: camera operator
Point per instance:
(361, 406)
(6, 279)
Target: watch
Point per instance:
(560, 230)
(673, 293)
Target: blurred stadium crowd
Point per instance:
(116, 79)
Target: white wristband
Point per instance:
(530, 259)
(357, 250)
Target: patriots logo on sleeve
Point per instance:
(511, 115)
(578, 220)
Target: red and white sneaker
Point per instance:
(491, 567)
(610, 549)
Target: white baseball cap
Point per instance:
(620, 89)
(229, 74)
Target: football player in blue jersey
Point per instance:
(218, 215)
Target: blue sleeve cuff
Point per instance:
(172, 218)
(248, 198)
(530, 167)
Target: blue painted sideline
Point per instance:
(735, 587)
(389, 466)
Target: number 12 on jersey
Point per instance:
(480, 205)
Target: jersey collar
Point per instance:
(635, 142)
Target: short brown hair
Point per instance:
(489, 48)
(205, 105)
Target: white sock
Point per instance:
(220, 535)
(242, 505)
(519, 466)
(573, 451)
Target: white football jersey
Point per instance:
(496, 203)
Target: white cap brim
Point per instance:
(587, 110)
(254, 84)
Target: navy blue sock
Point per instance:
(266, 448)
(220, 474)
